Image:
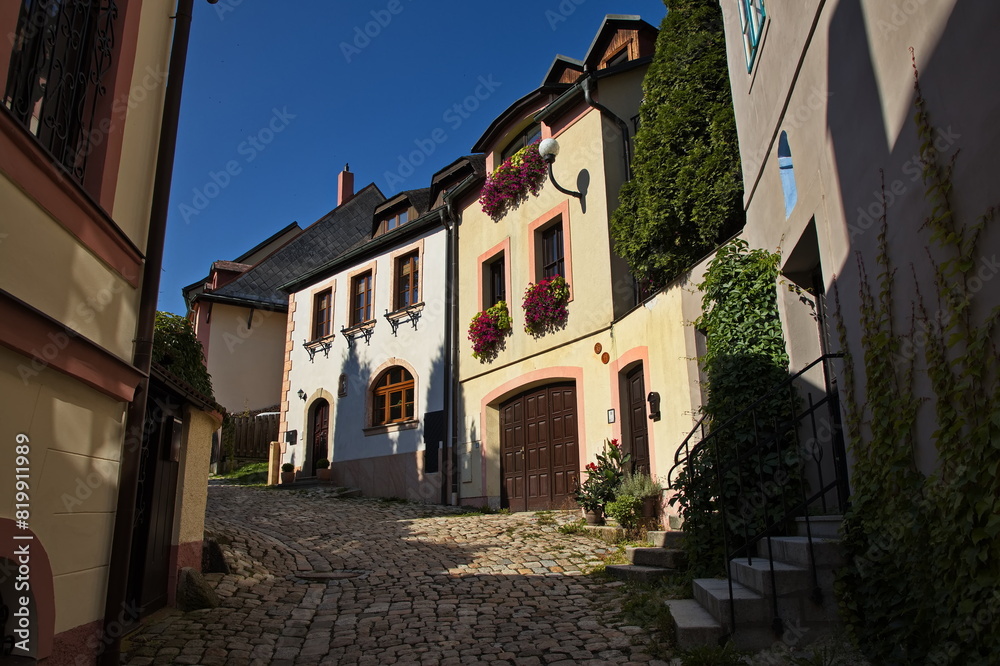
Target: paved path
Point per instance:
(318, 580)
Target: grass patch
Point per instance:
(545, 518)
(576, 527)
(253, 474)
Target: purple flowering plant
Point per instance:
(488, 330)
(545, 305)
(509, 185)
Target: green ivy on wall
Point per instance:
(923, 581)
(745, 358)
(177, 348)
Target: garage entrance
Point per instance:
(539, 451)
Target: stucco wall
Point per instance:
(420, 349)
(75, 437)
(246, 362)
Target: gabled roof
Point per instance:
(264, 243)
(539, 97)
(419, 199)
(335, 233)
(468, 164)
(611, 24)
(560, 65)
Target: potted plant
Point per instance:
(645, 488)
(287, 473)
(488, 330)
(544, 305)
(323, 469)
(603, 478)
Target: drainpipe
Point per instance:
(588, 95)
(121, 546)
(453, 333)
(448, 359)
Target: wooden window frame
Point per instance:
(409, 284)
(322, 319)
(354, 310)
(496, 286)
(536, 228)
(396, 219)
(501, 249)
(382, 396)
(520, 140)
(554, 265)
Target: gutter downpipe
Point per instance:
(588, 96)
(116, 614)
(451, 336)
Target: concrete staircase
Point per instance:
(807, 609)
(647, 565)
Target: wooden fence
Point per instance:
(252, 435)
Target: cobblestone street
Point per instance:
(319, 580)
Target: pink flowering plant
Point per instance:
(603, 477)
(509, 185)
(545, 305)
(488, 330)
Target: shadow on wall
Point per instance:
(416, 472)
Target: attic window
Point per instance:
(396, 219)
(618, 58)
(526, 137)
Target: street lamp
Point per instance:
(548, 149)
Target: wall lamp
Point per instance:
(548, 149)
(302, 394)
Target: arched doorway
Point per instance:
(319, 432)
(539, 449)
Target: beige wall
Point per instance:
(192, 477)
(75, 437)
(246, 364)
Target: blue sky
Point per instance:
(276, 101)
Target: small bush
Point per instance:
(576, 527)
(322, 463)
(626, 509)
(288, 467)
(639, 485)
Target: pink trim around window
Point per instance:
(534, 234)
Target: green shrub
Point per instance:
(626, 509)
(639, 485)
(177, 348)
(322, 463)
(288, 467)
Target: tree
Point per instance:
(686, 195)
(177, 348)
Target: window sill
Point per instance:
(391, 427)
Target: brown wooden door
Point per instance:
(321, 432)
(539, 449)
(637, 441)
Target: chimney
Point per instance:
(345, 185)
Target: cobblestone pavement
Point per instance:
(319, 580)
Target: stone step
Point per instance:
(607, 533)
(694, 625)
(637, 573)
(668, 558)
(826, 527)
(666, 539)
(788, 578)
(713, 594)
(795, 550)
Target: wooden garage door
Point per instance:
(539, 449)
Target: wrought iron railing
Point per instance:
(60, 54)
(813, 427)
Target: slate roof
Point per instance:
(343, 228)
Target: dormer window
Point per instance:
(618, 58)
(395, 219)
(526, 137)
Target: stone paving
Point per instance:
(319, 580)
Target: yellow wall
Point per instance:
(192, 477)
(75, 436)
(246, 364)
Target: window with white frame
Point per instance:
(752, 21)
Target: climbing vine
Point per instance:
(923, 581)
(745, 358)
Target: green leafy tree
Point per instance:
(686, 194)
(177, 348)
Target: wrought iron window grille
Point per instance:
(314, 346)
(410, 313)
(55, 86)
(364, 330)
